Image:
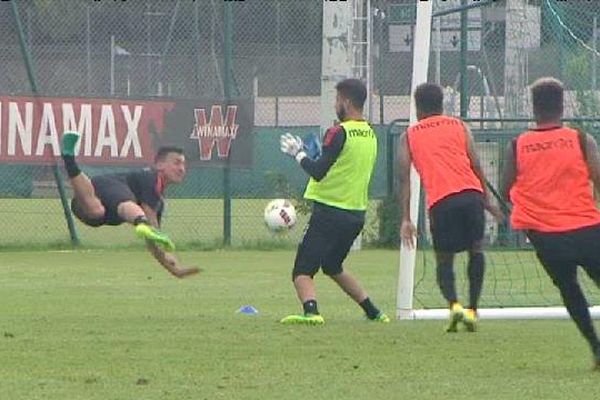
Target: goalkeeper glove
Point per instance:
(312, 146)
(292, 146)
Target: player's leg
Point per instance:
(86, 202)
(121, 206)
(344, 229)
(448, 231)
(352, 288)
(474, 217)
(475, 272)
(555, 253)
(445, 276)
(131, 212)
(593, 271)
(591, 265)
(565, 279)
(446, 283)
(307, 263)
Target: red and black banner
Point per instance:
(126, 132)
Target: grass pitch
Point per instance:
(113, 325)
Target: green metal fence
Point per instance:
(270, 50)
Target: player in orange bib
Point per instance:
(547, 178)
(442, 150)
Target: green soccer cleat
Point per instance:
(381, 317)
(456, 315)
(69, 141)
(470, 320)
(147, 232)
(309, 319)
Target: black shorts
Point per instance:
(111, 191)
(328, 238)
(457, 222)
(560, 253)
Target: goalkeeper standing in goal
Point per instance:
(338, 186)
(546, 176)
(443, 152)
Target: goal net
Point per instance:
(485, 55)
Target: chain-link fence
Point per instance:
(487, 54)
(177, 50)
(164, 50)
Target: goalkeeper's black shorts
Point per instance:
(561, 252)
(457, 222)
(330, 233)
(112, 191)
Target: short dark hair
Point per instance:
(353, 90)
(547, 97)
(429, 98)
(164, 151)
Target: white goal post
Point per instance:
(406, 274)
(405, 290)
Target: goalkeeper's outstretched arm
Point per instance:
(334, 140)
(333, 143)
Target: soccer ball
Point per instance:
(280, 215)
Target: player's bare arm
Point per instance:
(593, 161)
(476, 166)
(509, 171)
(408, 230)
(168, 260)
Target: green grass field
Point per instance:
(191, 222)
(107, 324)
